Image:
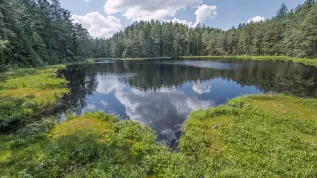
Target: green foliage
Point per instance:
(93, 145)
(34, 33)
(27, 92)
(91, 61)
(289, 33)
(254, 136)
(305, 61)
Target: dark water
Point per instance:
(162, 93)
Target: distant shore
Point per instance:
(306, 61)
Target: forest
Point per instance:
(289, 33)
(35, 33)
(39, 32)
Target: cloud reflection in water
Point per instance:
(163, 109)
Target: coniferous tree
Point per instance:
(37, 32)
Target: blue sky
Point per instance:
(102, 18)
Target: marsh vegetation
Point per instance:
(251, 136)
(185, 105)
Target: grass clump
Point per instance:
(256, 136)
(25, 92)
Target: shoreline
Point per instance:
(305, 61)
(252, 130)
(248, 130)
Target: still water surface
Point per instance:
(162, 93)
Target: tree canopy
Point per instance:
(289, 33)
(38, 32)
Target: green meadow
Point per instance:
(25, 93)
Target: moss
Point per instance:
(24, 92)
(80, 126)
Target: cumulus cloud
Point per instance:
(109, 83)
(147, 9)
(162, 109)
(138, 14)
(185, 22)
(202, 87)
(256, 19)
(98, 25)
(205, 12)
(202, 13)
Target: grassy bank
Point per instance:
(255, 136)
(27, 92)
(94, 145)
(305, 61)
(136, 58)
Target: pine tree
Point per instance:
(309, 32)
(282, 11)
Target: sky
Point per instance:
(103, 18)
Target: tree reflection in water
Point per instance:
(161, 93)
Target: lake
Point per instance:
(162, 93)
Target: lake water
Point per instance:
(162, 93)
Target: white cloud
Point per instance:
(108, 84)
(256, 19)
(140, 107)
(202, 87)
(148, 9)
(138, 14)
(99, 25)
(162, 109)
(205, 12)
(188, 23)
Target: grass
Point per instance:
(136, 58)
(306, 61)
(94, 145)
(252, 136)
(27, 92)
(256, 136)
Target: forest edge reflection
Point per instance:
(161, 93)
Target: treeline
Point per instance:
(290, 33)
(36, 32)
